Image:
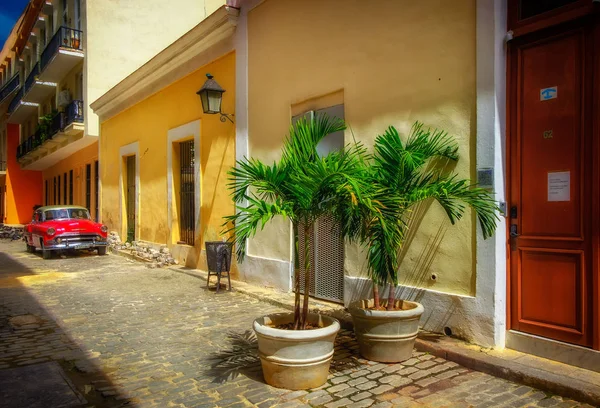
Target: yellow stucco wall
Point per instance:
(123, 36)
(392, 62)
(148, 123)
(76, 162)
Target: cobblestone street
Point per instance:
(127, 335)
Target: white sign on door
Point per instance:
(559, 186)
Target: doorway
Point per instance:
(327, 243)
(553, 209)
(130, 206)
(2, 203)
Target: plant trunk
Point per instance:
(375, 295)
(296, 279)
(307, 270)
(391, 297)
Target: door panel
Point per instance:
(555, 275)
(551, 136)
(551, 187)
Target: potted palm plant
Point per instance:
(296, 348)
(402, 175)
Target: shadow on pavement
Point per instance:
(41, 365)
(240, 356)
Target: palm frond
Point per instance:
(267, 182)
(431, 142)
(454, 195)
(300, 147)
(248, 220)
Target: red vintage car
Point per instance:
(64, 227)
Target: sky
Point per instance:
(10, 10)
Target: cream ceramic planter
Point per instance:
(295, 359)
(386, 336)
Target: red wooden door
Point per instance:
(551, 163)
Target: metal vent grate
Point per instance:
(327, 255)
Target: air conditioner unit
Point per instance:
(64, 98)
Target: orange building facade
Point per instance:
(22, 188)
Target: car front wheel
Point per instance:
(102, 250)
(46, 254)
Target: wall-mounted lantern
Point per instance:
(211, 95)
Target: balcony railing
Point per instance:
(57, 124)
(65, 37)
(31, 77)
(74, 112)
(15, 101)
(9, 87)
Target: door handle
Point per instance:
(513, 231)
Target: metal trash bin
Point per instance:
(218, 258)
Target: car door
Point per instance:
(27, 230)
(35, 229)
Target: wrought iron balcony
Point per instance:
(31, 77)
(11, 86)
(62, 53)
(16, 101)
(20, 110)
(74, 112)
(57, 124)
(37, 91)
(41, 135)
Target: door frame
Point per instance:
(187, 131)
(596, 189)
(592, 63)
(132, 149)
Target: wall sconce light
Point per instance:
(211, 95)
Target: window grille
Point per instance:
(65, 188)
(187, 202)
(131, 193)
(71, 187)
(96, 187)
(88, 186)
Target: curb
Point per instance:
(547, 375)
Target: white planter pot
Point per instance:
(295, 359)
(386, 336)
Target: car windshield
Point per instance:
(66, 213)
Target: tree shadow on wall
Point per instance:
(417, 275)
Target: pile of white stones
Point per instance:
(115, 241)
(156, 258)
(13, 233)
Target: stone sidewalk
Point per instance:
(129, 336)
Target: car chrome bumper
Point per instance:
(76, 245)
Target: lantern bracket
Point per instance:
(226, 117)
